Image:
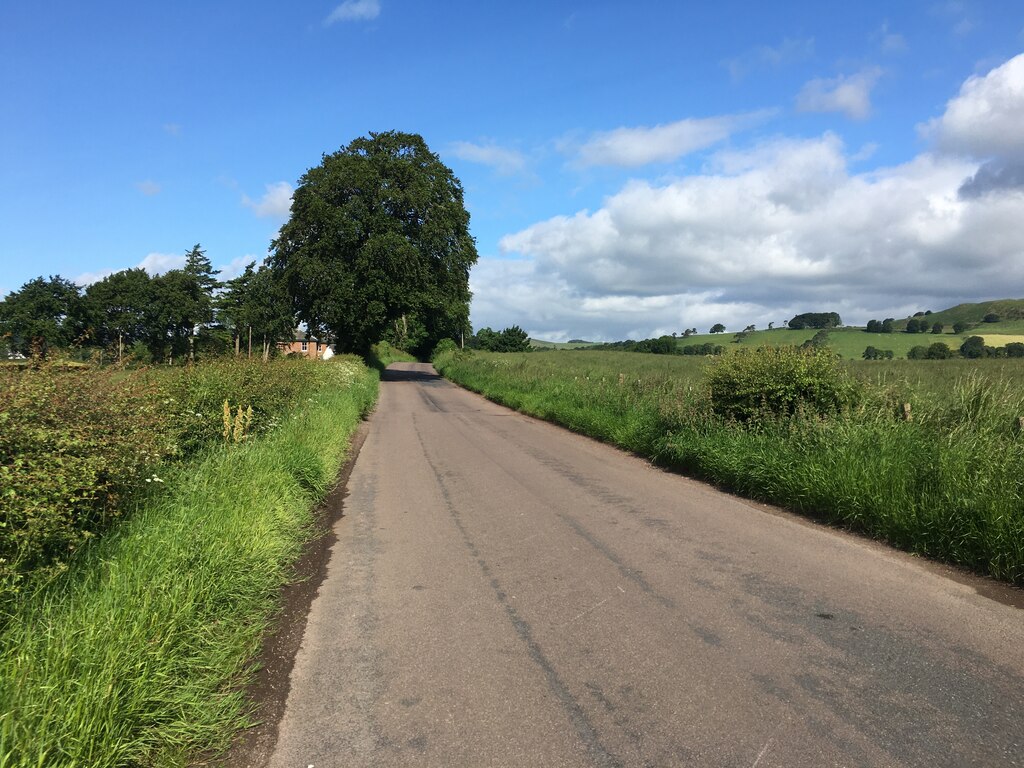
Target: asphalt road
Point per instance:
(506, 593)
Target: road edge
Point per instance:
(267, 694)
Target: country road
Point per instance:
(506, 593)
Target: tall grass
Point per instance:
(137, 656)
(948, 483)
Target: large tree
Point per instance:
(43, 313)
(117, 307)
(378, 244)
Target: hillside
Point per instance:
(1007, 309)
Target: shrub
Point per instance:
(444, 346)
(974, 347)
(781, 381)
(74, 444)
(991, 317)
(960, 326)
(917, 353)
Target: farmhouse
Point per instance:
(302, 344)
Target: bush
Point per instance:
(74, 444)
(444, 346)
(780, 381)
(918, 353)
(991, 317)
(960, 326)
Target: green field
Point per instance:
(849, 343)
(948, 483)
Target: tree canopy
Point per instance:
(378, 246)
(816, 320)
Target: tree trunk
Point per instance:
(238, 344)
(192, 346)
(266, 349)
(250, 342)
(120, 346)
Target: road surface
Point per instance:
(506, 593)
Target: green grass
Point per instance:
(138, 655)
(949, 484)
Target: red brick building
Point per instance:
(303, 345)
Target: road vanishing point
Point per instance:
(503, 592)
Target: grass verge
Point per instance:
(140, 653)
(948, 484)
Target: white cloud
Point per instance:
(984, 120)
(848, 94)
(505, 161)
(783, 227)
(237, 266)
(158, 263)
(276, 202)
(148, 187)
(86, 279)
(631, 147)
(354, 10)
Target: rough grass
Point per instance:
(138, 655)
(948, 484)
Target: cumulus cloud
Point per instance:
(505, 161)
(631, 147)
(354, 10)
(984, 120)
(848, 94)
(783, 227)
(148, 187)
(276, 202)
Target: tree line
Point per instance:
(157, 318)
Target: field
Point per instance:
(927, 457)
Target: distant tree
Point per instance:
(938, 328)
(960, 326)
(268, 310)
(872, 353)
(717, 328)
(917, 353)
(688, 332)
(874, 326)
(927, 311)
(919, 314)
(750, 328)
(815, 320)
(117, 308)
(820, 339)
(771, 325)
(41, 315)
(939, 351)
(917, 326)
(991, 317)
(888, 325)
(233, 303)
(974, 348)
(1015, 349)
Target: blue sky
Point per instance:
(631, 168)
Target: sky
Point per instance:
(630, 168)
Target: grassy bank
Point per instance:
(948, 483)
(138, 654)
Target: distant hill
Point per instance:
(574, 344)
(1007, 309)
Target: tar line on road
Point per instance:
(505, 593)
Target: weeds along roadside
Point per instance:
(948, 483)
(138, 654)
